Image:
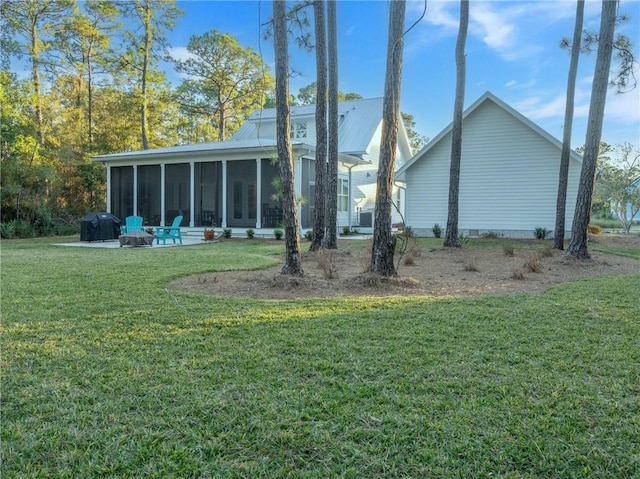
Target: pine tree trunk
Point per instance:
(145, 65)
(384, 241)
(451, 236)
(578, 246)
(293, 258)
(331, 191)
(561, 204)
(321, 125)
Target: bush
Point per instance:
(277, 233)
(346, 230)
(250, 233)
(509, 249)
(540, 233)
(532, 263)
(437, 230)
(309, 235)
(490, 235)
(594, 229)
(226, 233)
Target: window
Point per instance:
(298, 130)
(398, 200)
(343, 194)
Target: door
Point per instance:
(241, 194)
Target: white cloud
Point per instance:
(180, 53)
(624, 106)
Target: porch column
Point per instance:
(297, 178)
(135, 189)
(192, 195)
(258, 193)
(224, 193)
(162, 193)
(108, 189)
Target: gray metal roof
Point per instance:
(358, 121)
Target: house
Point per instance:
(230, 183)
(509, 174)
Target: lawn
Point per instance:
(108, 373)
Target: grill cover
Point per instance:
(99, 227)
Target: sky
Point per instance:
(512, 50)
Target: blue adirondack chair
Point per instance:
(172, 232)
(132, 223)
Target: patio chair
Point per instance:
(132, 223)
(172, 232)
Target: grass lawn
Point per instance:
(107, 373)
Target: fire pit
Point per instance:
(136, 238)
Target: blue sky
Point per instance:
(512, 50)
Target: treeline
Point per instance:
(94, 86)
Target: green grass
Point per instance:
(107, 373)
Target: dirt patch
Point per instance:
(434, 272)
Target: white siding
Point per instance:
(508, 179)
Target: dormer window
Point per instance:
(298, 130)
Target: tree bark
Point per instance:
(451, 236)
(578, 246)
(145, 64)
(293, 258)
(384, 241)
(321, 125)
(561, 204)
(331, 232)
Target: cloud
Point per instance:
(180, 53)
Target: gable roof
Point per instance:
(358, 121)
(487, 97)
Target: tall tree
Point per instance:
(331, 191)
(148, 42)
(226, 82)
(451, 236)
(384, 242)
(578, 246)
(558, 238)
(321, 125)
(35, 22)
(293, 264)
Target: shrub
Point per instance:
(325, 259)
(250, 233)
(463, 239)
(346, 230)
(408, 231)
(470, 265)
(226, 232)
(540, 233)
(517, 274)
(532, 263)
(490, 235)
(277, 233)
(412, 253)
(594, 229)
(546, 252)
(437, 230)
(309, 235)
(509, 249)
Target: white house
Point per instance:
(230, 183)
(508, 176)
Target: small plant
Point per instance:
(532, 263)
(517, 274)
(346, 230)
(408, 231)
(546, 252)
(309, 235)
(540, 233)
(209, 234)
(277, 233)
(509, 250)
(226, 233)
(490, 235)
(594, 229)
(437, 230)
(412, 253)
(250, 233)
(463, 239)
(470, 265)
(149, 231)
(325, 259)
